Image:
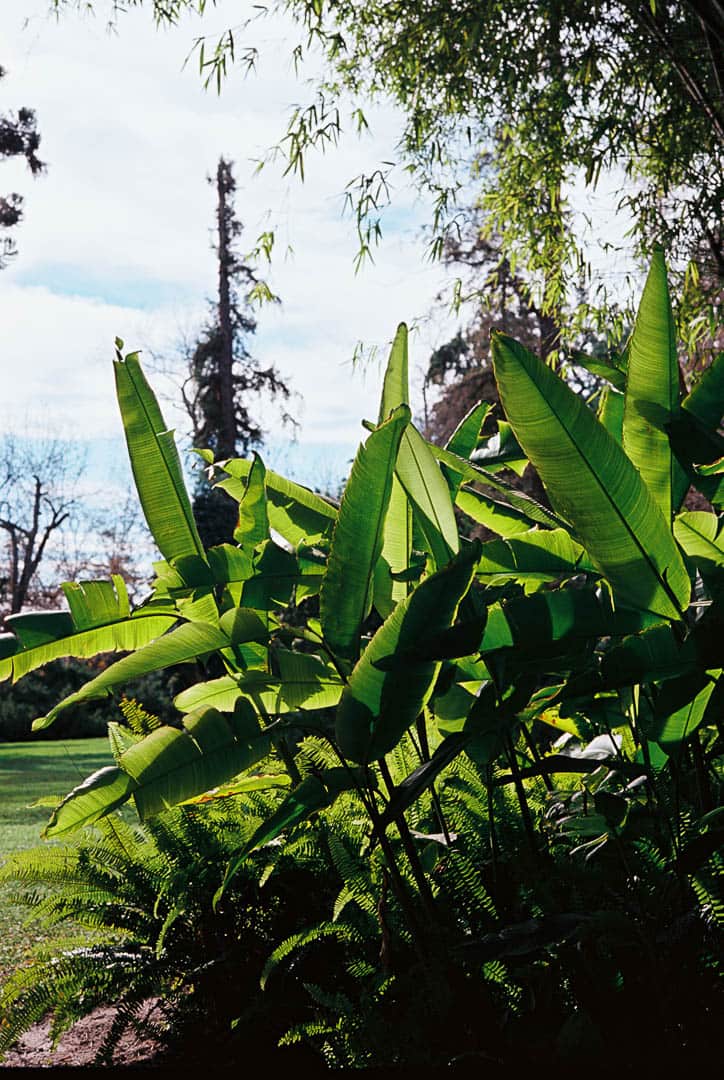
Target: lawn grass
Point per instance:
(31, 771)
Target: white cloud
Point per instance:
(116, 238)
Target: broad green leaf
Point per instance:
(346, 592)
(167, 767)
(593, 484)
(189, 642)
(155, 463)
(304, 682)
(650, 655)
(464, 438)
(531, 558)
(610, 413)
(275, 572)
(397, 542)
(96, 603)
(533, 510)
(706, 400)
(497, 516)
(614, 372)
(701, 535)
(253, 524)
(395, 388)
(528, 625)
(377, 707)
(257, 782)
(501, 450)
(34, 628)
(680, 707)
(170, 766)
(295, 512)
(534, 621)
(463, 442)
(396, 552)
(651, 401)
(428, 491)
(97, 796)
(124, 636)
(221, 694)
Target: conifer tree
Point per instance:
(224, 380)
(18, 138)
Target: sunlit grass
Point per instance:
(28, 772)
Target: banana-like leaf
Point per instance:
(97, 603)
(167, 767)
(497, 516)
(99, 794)
(295, 512)
(33, 628)
(275, 573)
(129, 634)
(314, 793)
(532, 558)
(464, 440)
(377, 707)
(528, 625)
(652, 655)
(614, 371)
(701, 535)
(535, 513)
(465, 437)
(155, 463)
(593, 483)
(188, 642)
(395, 387)
(681, 706)
(253, 524)
(610, 413)
(346, 592)
(651, 401)
(396, 552)
(418, 474)
(304, 683)
(501, 450)
(428, 491)
(706, 400)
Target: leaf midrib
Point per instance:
(186, 511)
(601, 486)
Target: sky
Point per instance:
(116, 238)
(116, 235)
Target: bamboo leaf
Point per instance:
(593, 483)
